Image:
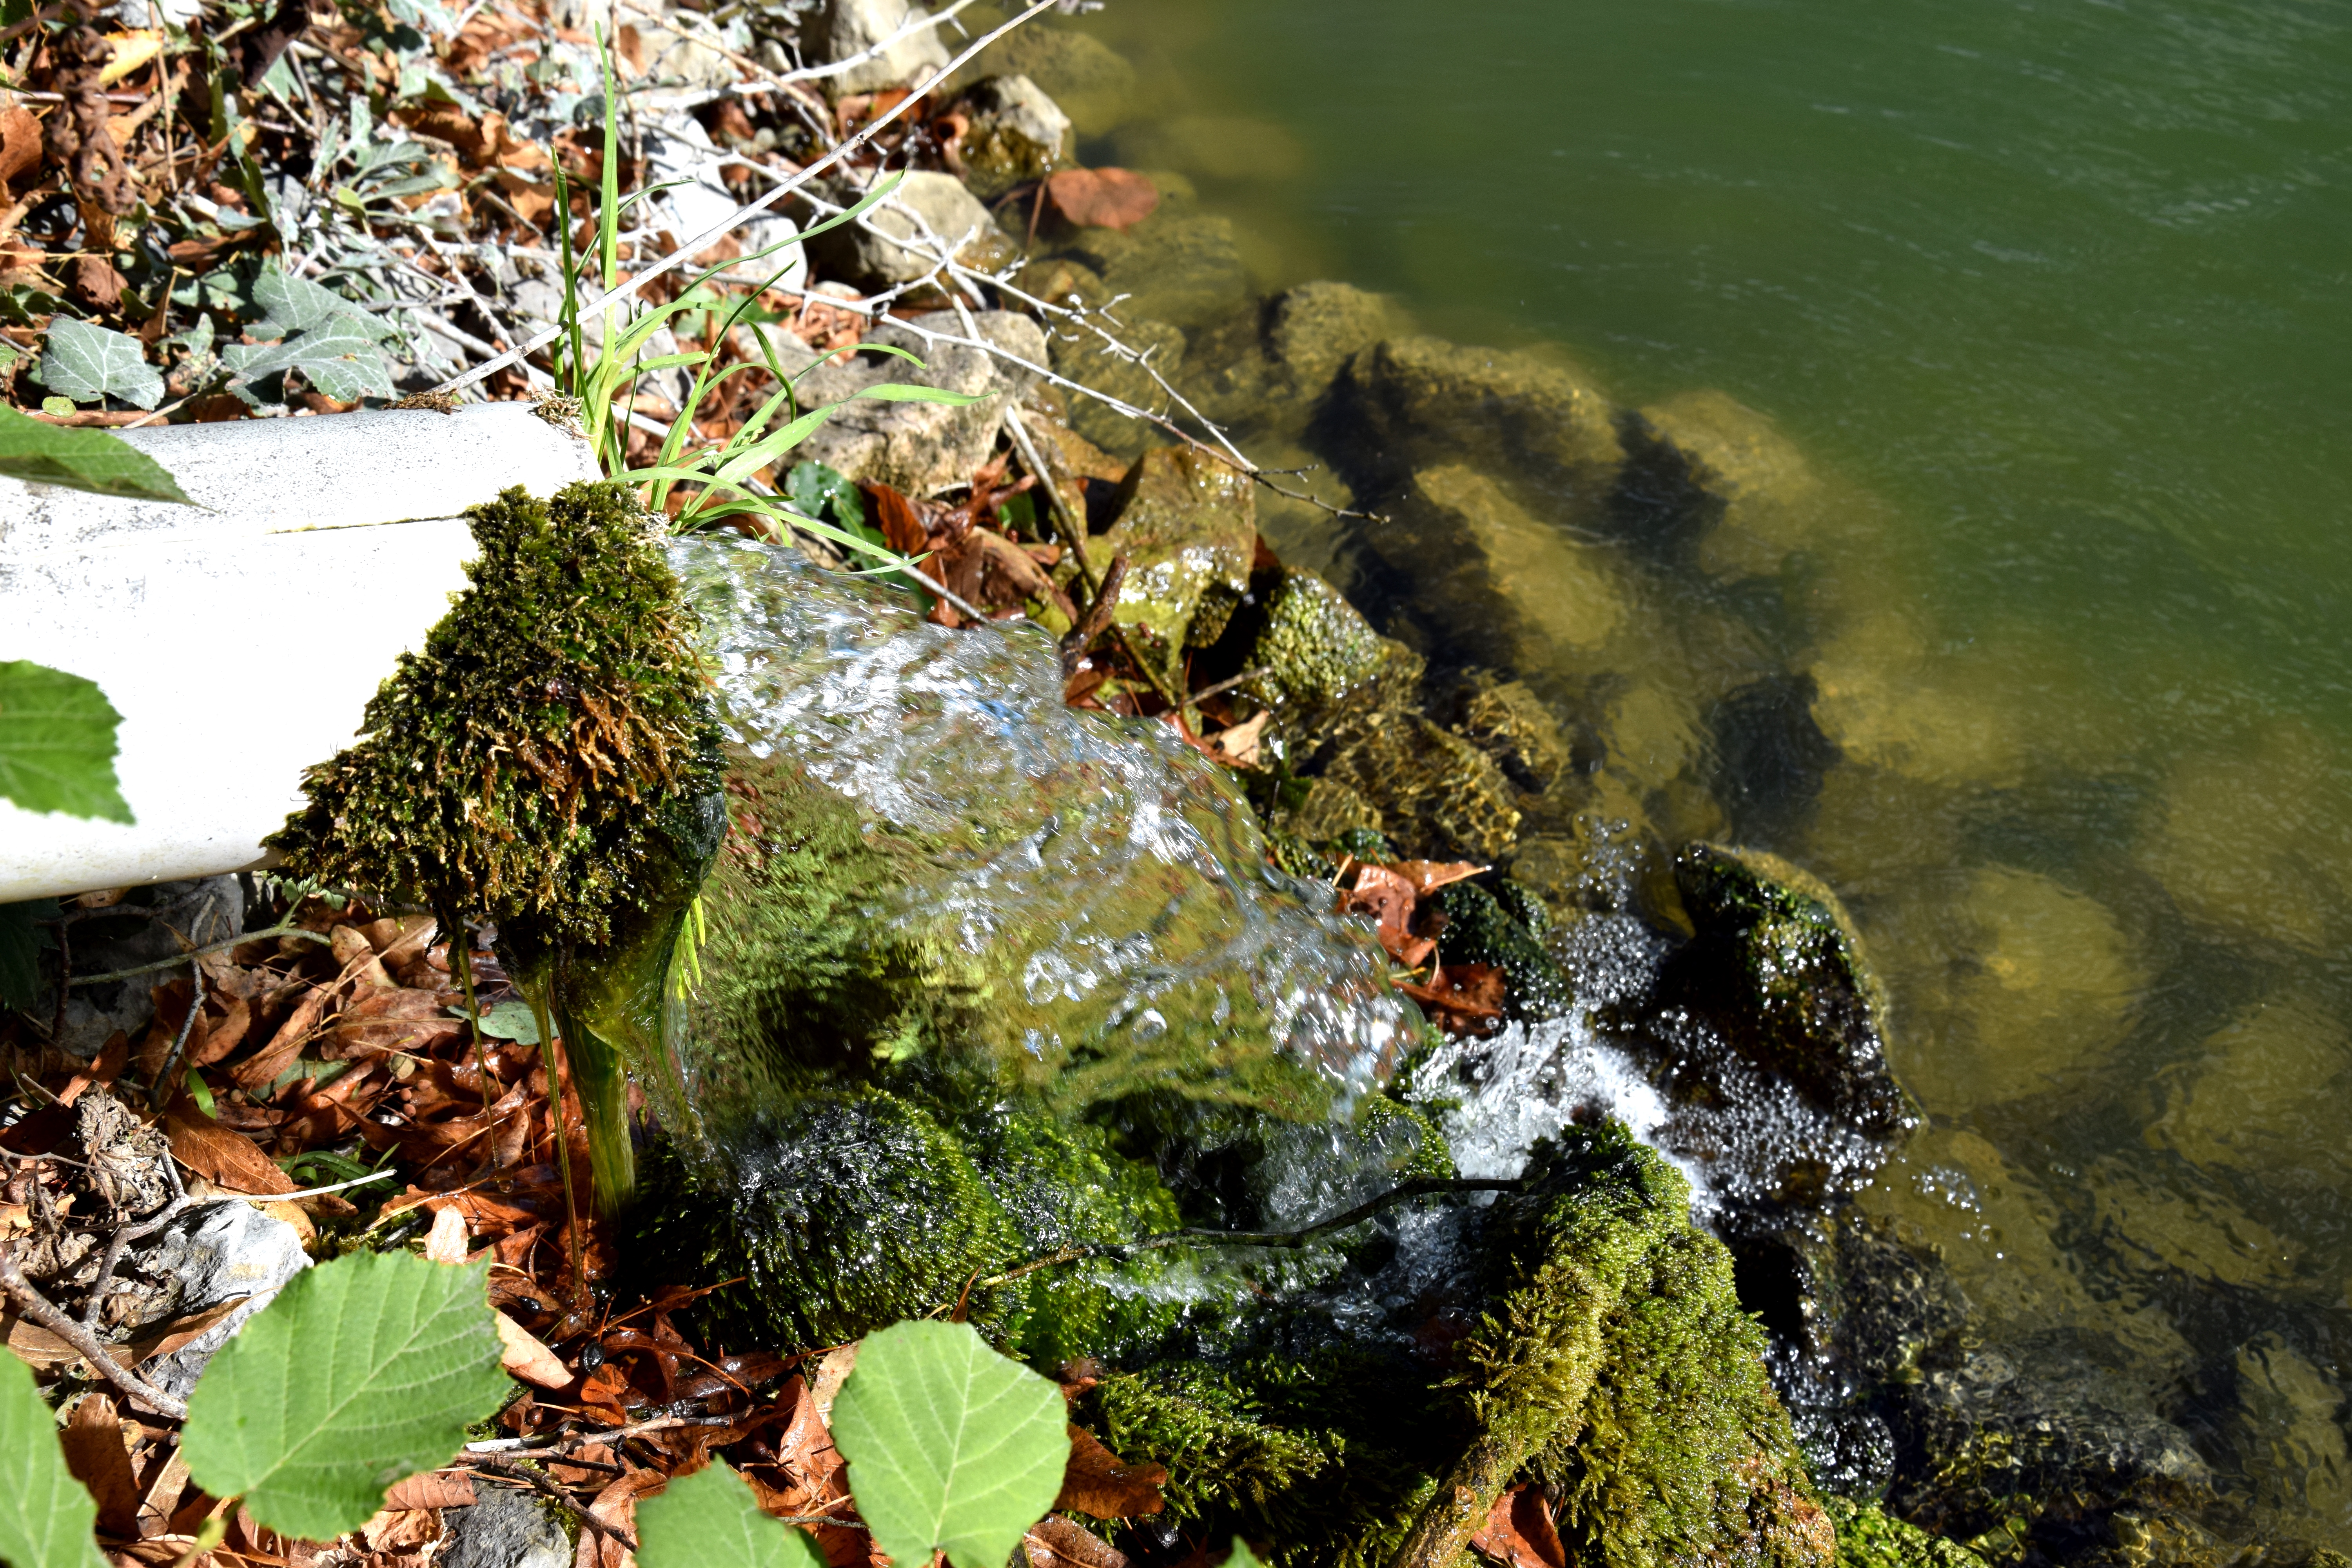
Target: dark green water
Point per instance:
(2055, 301)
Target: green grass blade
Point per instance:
(851, 215)
(48, 1519)
(363, 1372)
(951, 1445)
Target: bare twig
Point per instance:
(32, 1304)
(206, 951)
(155, 1096)
(115, 1248)
(1228, 683)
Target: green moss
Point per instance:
(1870, 1537)
(1480, 930)
(1317, 650)
(520, 764)
(1412, 1143)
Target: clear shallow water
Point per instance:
(2054, 303)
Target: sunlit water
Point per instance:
(2053, 300)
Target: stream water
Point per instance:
(2049, 303)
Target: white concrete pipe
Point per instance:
(240, 639)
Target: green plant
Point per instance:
(47, 1521)
(709, 1520)
(98, 461)
(58, 743)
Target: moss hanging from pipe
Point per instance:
(548, 762)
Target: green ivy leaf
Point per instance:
(509, 1020)
(56, 744)
(362, 1372)
(48, 1519)
(90, 363)
(949, 1445)
(339, 358)
(709, 1520)
(293, 304)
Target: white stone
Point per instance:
(841, 28)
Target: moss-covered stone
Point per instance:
(1188, 527)
(1319, 652)
(1479, 930)
(1778, 968)
(1507, 721)
(1870, 1537)
(1436, 794)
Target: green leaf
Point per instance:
(56, 744)
(949, 1445)
(47, 1520)
(509, 1020)
(90, 363)
(709, 1520)
(297, 305)
(96, 460)
(1243, 1557)
(363, 1372)
(339, 358)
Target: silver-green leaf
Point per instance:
(98, 461)
(58, 743)
(89, 363)
(709, 1520)
(46, 1518)
(339, 358)
(951, 1445)
(362, 1372)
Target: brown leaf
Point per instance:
(1519, 1533)
(1238, 743)
(92, 1439)
(435, 1488)
(1098, 1482)
(357, 955)
(20, 142)
(523, 1356)
(224, 1158)
(1428, 876)
(1057, 1543)
(895, 517)
(396, 1530)
(1389, 898)
(1102, 198)
(216, 1037)
(1462, 997)
(256, 1074)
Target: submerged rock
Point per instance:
(1321, 656)
(1412, 402)
(1017, 134)
(2258, 1098)
(1438, 795)
(1701, 467)
(1086, 359)
(1093, 83)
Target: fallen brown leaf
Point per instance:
(435, 1488)
(1102, 198)
(1428, 876)
(1519, 1533)
(1466, 998)
(521, 1353)
(226, 1159)
(92, 1439)
(1057, 1543)
(1098, 1482)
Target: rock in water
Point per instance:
(1188, 527)
(1017, 134)
(1411, 401)
(1778, 971)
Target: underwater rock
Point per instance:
(920, 448)
(1870, 1537)
(1653, 734)
(1778, 968)
(1413, 402)
(1884, 704)
(1482, 928)
(840, 28)
(1438, 795)
(1188, 527)
(1311, 330)
(1264, 367)
(2016, 981)
(2258, 1098)
(2249, 836)
(1508, 722)
(2284, 1433)
(1701, 464)
(1180, 265)
(2198, 1233)
(1321, 655)
(927, 211)
(1327, 810)
(1500, 576)
(1093, 83)
(1083, 358)
(1017, 134)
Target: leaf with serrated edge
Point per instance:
(98, 461)
(949, 1445)
(709, 1520)
(58, 743)
(363, 1372)
(47, 1519)
(88, 364)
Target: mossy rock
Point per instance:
(1320, 653)
(1479, 929)
(1437, 794)
(1870, 1537)
(1509, 722)
(1188, 527)
(1778, 968)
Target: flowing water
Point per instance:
(2052, 304)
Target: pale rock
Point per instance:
(1523, 412)
(1537, 595)
(920, 448)
(504, 1529)
(1884, 703)
(2286, 1429)
(903, 239)
(1019, 105)
(1725, 471)
(681, 157)
(1653, 734)
(217, 1253)
(840, 28)
(1087, 79)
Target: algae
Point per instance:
(1870, 1537)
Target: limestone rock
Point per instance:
(2257, 1098)
(504, 1529)
(217, 1253)
(1778, 968)
(1317, 650)
(1518, 591)
(2017, 981)
(1180, 265)
(1328, 809)
(840, 28)
(1188, 527)
(920, 448)
(1438, 795)
(1701, 461)
(1017, 134)
(1090, 80)
(1885, 704)
(1515, 412)
(928, 212)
